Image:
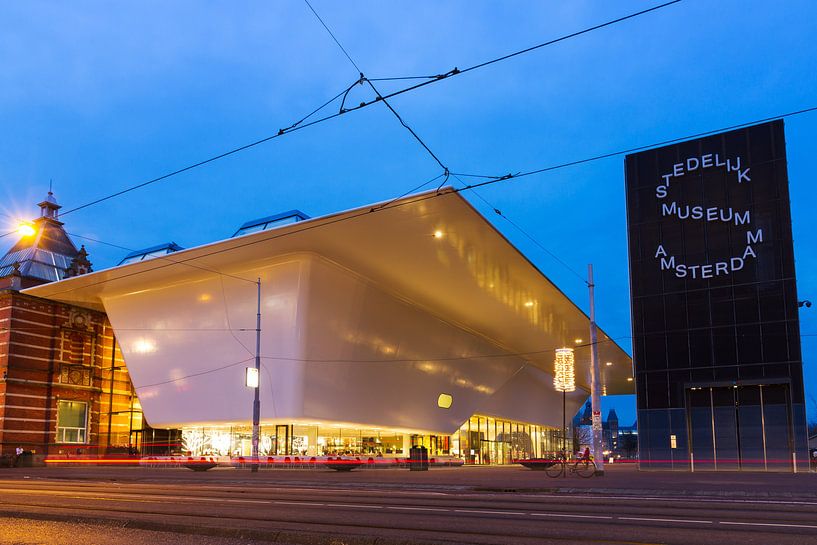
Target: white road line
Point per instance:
(299, 503)
(778, 525)
(685, 499)
(666, 520)
(484, 512)
(417, 508)
(570, 516)
(218, 500)
(355, 506)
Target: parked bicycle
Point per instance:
(583, 467)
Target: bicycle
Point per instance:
(581, 467)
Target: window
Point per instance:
(72, 421)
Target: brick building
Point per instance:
(64, 388)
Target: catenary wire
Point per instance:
(558, 166)
(333, 37)
(302, 125)
(541, 246)
(377, 93)
(206, 372)
(338, 218)
(164, 257)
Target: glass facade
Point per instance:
(480, 440)
(716, 342)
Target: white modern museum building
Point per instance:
(373, 320)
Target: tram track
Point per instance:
(440, 517)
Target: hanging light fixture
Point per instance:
(564, 379)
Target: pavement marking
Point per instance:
(355, 506)
(299, 503)
(779, 525)
(485, 512)
(570, 516)
(219, 500)
(417, 508)
(666, 520)
(688, 499)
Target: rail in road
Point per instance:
(450, 517)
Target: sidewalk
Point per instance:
(618, 480)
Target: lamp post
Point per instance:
(595, 375)
(256, 405)
(564, 381)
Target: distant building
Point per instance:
(617, 441)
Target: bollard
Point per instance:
(794, 462)
(691, 462)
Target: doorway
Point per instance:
(742, 427)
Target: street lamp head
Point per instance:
(564, 379)
(26, 229)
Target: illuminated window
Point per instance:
(72, 421)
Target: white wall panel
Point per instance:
(350, 318)
(175, 340)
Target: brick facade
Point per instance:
(52, 352)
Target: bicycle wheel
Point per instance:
(585, 468)
(555, 470)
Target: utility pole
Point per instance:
(256, 404)
(595, 378)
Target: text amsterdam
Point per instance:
(704, 213)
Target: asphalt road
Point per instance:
(336, 513)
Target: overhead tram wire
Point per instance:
(558, 166)
(313, 224)
(220, 275)
(377, 93)
(166, 258)
(530, 237)
(446, 171)
(298, 125)
(397, 360)
(302, 124)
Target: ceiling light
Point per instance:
(528, 304)
(578, 341)
(438, 234)
(629, 379)
(609, 363)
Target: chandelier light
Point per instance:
(564, 379)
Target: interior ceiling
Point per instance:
(433, 249)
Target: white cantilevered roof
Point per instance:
(434, 249)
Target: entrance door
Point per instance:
(282, 440)
(135, 442)
(743, 427)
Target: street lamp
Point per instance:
(26, 229)
(564, 380)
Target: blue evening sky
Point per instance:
(102, 95)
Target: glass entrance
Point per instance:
(740, 427)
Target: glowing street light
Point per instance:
(564, 380)
(564, 377)
(26, 229)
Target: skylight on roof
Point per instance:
(271, 222)
(150, 253)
